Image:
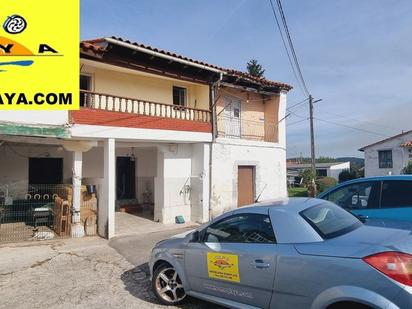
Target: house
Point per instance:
(161, 133)
(388, 156)
(332, 169)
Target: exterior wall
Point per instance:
(138, 134)
(181, 184)
(134, 84)
(400, 157)
(35, 117)
(200, 183)
(268, 159)
(14, 163)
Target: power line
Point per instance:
(292, 48)
(286, 49)
(296, 122)
(362, 120)
(297, 104)
(350, 127)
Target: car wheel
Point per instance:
(167, 285)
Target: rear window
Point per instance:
(330, 220)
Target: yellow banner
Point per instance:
(223, 266)
(39, 54)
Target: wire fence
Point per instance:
(42, 211)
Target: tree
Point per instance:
(408, 168)
(254, 68)
(346, 175)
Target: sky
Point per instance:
(355, 55)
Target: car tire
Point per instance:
(167, 285)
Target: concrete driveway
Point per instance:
(82, 273)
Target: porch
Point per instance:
(137, 181)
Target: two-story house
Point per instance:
(389, 156)
(166, 134)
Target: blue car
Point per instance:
(383, 200)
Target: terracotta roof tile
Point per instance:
(407, 144)
(98, 46)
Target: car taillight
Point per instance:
(396, 265)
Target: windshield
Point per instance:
(330, 220)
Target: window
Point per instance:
(322, 172)
(45, 171)
(396, 193)
(179, 96)
(85, 84)
(385, 159)
(357, 196)
(330, 221)
(242, 228)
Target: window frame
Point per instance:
(185, 93)
(380, 164)
(202, 233)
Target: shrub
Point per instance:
(346, 175)
(307, 176)
(408, 168)
(323, 183)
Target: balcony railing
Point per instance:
(116, 103)
(247, 129)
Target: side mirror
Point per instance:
(195, 236)
(362, 218)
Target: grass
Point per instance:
(298, 192)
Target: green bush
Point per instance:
(346, 175)
(408, 169)
(324, 183)
(307, 176)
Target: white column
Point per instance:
(206, 182)
(106, 208)
(77, 229)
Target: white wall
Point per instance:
(200, 183)
(335, 170)
(14, 163)
(400, 157)
(35, 117)
(179, 165)
(269, 160)
(174, 168)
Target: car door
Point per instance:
(235, 259)
(361, 198)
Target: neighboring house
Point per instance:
(332, 169)
(388, 156)
(173, 135)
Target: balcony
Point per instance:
(112, 110)
(232, 127)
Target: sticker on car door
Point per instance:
(223, 266)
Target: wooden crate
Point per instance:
(62, 217)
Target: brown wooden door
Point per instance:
(245, 186)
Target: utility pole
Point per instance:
(312, 136)
(312, 142)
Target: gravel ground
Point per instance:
(75, 273)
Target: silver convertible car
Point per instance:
(297, 253)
